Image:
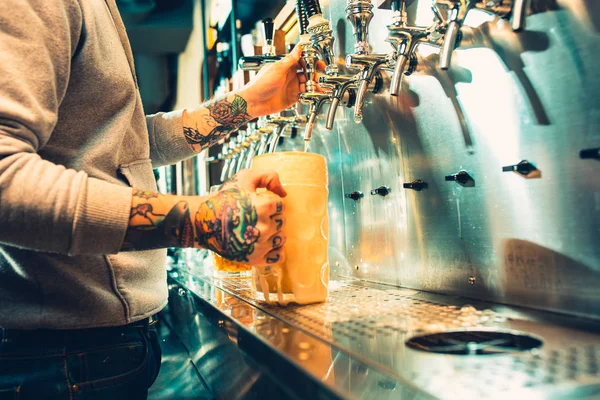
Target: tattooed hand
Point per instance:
(277, 86)
(236, 222)
(242, 225)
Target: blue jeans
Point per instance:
(100, 363)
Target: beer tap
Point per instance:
(319, 31)
(234, 150)
(359, 14)
(457, 11)
(226, 157)
(255, 63)
(244, 144)
(515, 9)
(315, 38)
(404, 39)
(264, 132)
(281, 123)
(343, 91)
(249, 146)
(518, 14)
(315, 101)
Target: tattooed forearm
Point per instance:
(154, 223)
(230, 182)
(205, 126)
(226, 224)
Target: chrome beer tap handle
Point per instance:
(321, 37)
(359, 13)
(235, 152)
(255, 63)
(457, 11)
(264, 131)
(369, 65)
(515, 9)
(342, 89)
(318, 29)
(404, 39)
(315, 100)
(309, 55)
(518, 14)
(281, 123)
(253, 138)
(244, 145)
(226, 156)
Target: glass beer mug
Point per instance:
(303, 277)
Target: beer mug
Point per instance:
(303, 277)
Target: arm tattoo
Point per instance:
(144, 195)
(233, 180)
(226, 224)
(218, 119)
(149, 229)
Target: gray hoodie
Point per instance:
(73, 141)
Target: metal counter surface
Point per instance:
(354, 347)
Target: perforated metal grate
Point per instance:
(374, 324)
(360, 311)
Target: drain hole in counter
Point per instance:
(474, 342)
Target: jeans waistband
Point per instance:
(56, 336)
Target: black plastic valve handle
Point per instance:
(417, 185)
(357, 195)
(381, 190)
(523, 167)
(590, 154)
(462, 177)
(269, 29)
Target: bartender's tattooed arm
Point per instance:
(224, 223)
(216, 119)
(154, 225)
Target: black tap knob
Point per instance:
(381, 190)
(523, 167)
(294, 132)
(269, 29)
(417, 185)
(355, 195)
(590, 154)
(462, 177)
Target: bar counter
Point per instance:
(354, 346)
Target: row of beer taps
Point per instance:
(444, 32)
(317, 41)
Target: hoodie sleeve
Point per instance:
(44, 206)
(167, 142)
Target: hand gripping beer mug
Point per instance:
(303, 277)
(223, 267)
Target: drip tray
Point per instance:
(474, 342)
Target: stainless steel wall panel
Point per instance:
(508, 96)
